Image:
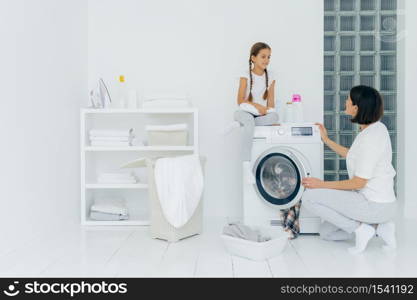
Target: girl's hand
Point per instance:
(323, 132)
(262, 110)
(312, 183)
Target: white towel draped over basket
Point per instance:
(191, 214)
(179, 183)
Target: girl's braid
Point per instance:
(251, 81)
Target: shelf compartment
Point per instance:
(116, 186)
(141, 148)
(136, 202)
(140, 111)
(117, 223)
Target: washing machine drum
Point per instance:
(278, 179)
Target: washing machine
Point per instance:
(281, 156)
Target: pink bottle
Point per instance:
(297, 108)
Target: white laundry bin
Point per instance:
(160, 228)
(257, 250)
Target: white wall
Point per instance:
(43, 58)
(408, 106)
(200, 47)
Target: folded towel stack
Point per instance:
(103, 137)
(109, 209)
(117, 178)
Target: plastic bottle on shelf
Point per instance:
(297, 109)
(132, 99)
(289, 113)
(121, 100)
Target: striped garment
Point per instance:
(290, 221)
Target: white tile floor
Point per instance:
(129, 252)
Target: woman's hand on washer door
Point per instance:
(312, 183)
(323, 132)
(339, 149)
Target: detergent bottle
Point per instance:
(289, 112)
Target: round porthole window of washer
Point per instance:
(278, 178)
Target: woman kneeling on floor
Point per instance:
(364, 204)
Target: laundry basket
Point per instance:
(257, 250)
(160, 228)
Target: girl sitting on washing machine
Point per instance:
(256, 96)
(364, 204)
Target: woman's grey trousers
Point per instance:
(343, 211)
(249, 121)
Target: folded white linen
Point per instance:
(165, 103)
(110, 132)
(110, 206)
(110, 143)
(173, 127)
(179, 184)
(111, 138)
(252, 109)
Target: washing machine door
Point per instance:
(278, 173)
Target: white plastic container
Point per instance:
(168, 135)
(289, 113)
(257, 250)
(167, 138)
(121, 99)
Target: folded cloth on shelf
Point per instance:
(244, 232)
(99, 216)
(110, 206)
(172, 127)
(252, 109)
(179, 184)
(111, 138)
(110, 132)
(111, 143)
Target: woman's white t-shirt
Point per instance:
(258, 85)
(370, 157)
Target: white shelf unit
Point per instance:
(95, 159)
(143, 148)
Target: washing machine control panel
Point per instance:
(303, 133)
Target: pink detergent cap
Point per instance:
(296, 98)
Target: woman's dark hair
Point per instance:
(254, 51)
(369, 103)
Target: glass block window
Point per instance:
(359, 48)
